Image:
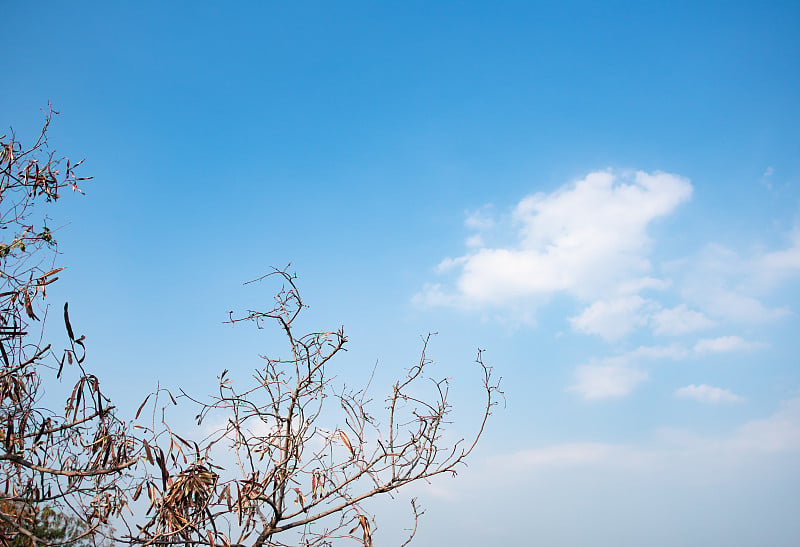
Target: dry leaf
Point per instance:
(346, 441)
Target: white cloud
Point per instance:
(619, 375)
(588, 238)
(497, 276)
(708, 394)
(612, 319)
(679, 320)
(615, 318)
(725, 344)
(606, 381)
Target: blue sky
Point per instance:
(603, 196)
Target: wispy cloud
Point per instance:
(619, 375)
(567, 455)
(766, 178)
(708, 394)
(679, 320)
(775, 434)
(612, 319)
(725, 344)
(605, 381)
(775, 267)
(753, 445)
(482, 219)
(730, 287)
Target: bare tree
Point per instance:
(51, 463)
(290, 458)
(294, 471)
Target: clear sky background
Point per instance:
(604, 196)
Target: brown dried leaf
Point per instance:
(363, 522)
(28, 306)
(346, 441)
(67, 323)
(147, 452)
(141, 407)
